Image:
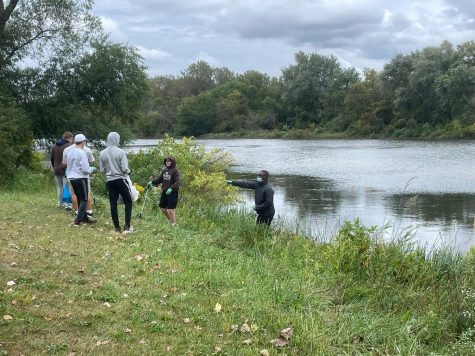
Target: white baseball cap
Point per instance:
(80, 138)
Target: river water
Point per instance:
(425, 189)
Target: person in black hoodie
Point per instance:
(263, 196)
(56, 164)
(170, 180)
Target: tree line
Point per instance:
(59, 72)
(427, 93)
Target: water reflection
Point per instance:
(444, 208)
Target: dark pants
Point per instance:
(81, 191)
(116, 187)
(264, 219)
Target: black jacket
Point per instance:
(263, 196)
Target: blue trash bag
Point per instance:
(66, 194)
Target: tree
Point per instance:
(314, 88)
(37, 28)
(104, 88)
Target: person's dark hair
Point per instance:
(264, 174)
(67, 135)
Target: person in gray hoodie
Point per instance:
(114, 164)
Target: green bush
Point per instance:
(202, 172)
(15, 139)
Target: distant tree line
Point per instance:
(428, 93)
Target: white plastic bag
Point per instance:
(134, 193)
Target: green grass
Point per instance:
(89, 291)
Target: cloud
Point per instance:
(265, 34)
(153, 53)
(113, 28)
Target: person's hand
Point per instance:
(229, 182)
(149, 185)
(169, 191)
(93, 170)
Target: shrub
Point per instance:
(202, 172)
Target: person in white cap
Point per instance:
(74, 201)
(78, 174)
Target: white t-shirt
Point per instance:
(78, 165)
(90, 156)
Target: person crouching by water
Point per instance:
(263, 196)
(78, 174)
(115, 165)
(170, 180)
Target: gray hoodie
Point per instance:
(113, 160)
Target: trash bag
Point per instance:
(66, 194)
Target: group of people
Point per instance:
(72, 163)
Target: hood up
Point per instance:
(113, 139)
(171, 158)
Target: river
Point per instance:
(425, 189)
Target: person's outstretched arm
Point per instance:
(243, 184)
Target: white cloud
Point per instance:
(265, 34)
(113, 28)
(153, 53)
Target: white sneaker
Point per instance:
(130, 230)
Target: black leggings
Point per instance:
(115, 188)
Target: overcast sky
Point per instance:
(264, 35)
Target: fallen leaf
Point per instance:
(217, 349)
(245, 328)
(125, 295)
(187, 320)
(7, 317)
(142, 342)
(280, 342)
(13, 264)
(247, 342)
(264, 353)
(127, 330)
(11, 283)
(14, 302)
(168, 348)
(218, 307)
(234, 328)
(139, 257)
(286, 333)
(157, 266)
(106, 304)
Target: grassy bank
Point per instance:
(190, 289)
(453, 130)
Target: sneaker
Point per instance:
(128, 230)
(76, 223)
(117, 230)
(89, 219)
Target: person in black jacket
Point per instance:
(263, 196)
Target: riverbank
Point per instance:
(453, 130)
(216, 284)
